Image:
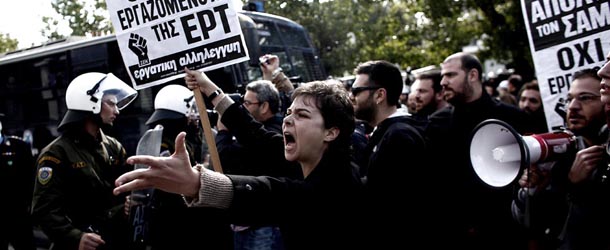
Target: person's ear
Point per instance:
(439, 96)
(473, 74)
(380, 95)
(331, 134)
(264, 107)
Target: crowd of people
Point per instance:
(322, 165)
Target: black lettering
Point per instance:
(223, 17)
(188, 29)
(182, 6)
(135, 14)
(165, 30)
(205, 29)
(129, 14)
(160, 8)
(552, 86)
(173, 31)
(559, 83)
(171, 6)
(565, 53)
(145, 15)
(599, 50)
(584, 53)
(122, 19)
(194, 3)
(153, 16)
(190, 2)
(203, 2)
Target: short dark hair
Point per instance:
(266, 92)
(592, 72)
(529, 86)
(435, 76)
(336, 108)
(469, 62)
(384, 74)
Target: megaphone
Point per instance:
(498, 152)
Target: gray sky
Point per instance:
(23, 20)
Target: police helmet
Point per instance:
(85, 92)
(172, 102)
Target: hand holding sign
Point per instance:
(195, 79)
(198, 80)
(137, 45)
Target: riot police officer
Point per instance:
(16, 176)
(73, 201)
(174, 105)
(173, 225)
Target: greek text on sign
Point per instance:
(565, 37)
(159, 38)
(553, 22)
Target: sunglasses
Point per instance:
(357, 90)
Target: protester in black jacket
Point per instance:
(317, 134)
(392, 154)
(482, 219)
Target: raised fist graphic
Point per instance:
(137, 45)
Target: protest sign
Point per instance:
(565, 37)
(158, 38)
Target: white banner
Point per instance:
(158, 38)
(565, 36)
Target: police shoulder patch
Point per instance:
(44, 175)
(48, 158)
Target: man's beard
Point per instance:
(461, 97)
(429, 108)
(366, 113)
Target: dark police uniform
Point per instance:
(73, 190)
(174, 225)
(16, 183)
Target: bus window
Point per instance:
(293, 37)
(269, 35)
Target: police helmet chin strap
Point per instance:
(93, 90)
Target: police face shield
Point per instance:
(111, 85)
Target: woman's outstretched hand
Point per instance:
(172, 174)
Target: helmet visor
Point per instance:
(124, 94)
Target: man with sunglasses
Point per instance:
(393, 151)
